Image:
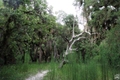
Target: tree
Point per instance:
(60, 16)
(101, 16)
(74, 38)
(25, 30)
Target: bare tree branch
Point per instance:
(73, 39)
(71, 42)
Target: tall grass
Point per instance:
(74, 71)
(107, 64)
(88, 70)
(21, 71)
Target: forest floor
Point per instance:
(38, 76)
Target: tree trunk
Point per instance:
(40, 53)
(62, 63)
(71, 42)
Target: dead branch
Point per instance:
(71, 42)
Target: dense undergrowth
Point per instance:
(89, 70)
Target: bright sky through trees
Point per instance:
(64, 5)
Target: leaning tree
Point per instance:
(75, 36)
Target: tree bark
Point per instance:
(71, 42)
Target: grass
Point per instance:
(83, 71)
(73, 72)
(90, 70)
(20, 71)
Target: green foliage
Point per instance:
(109, 53)
(85, 50)
(74, 71)
(28, 32)
(69, 21)
(114, 45)
(110, 48)
(23, 27)
(101, 16)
